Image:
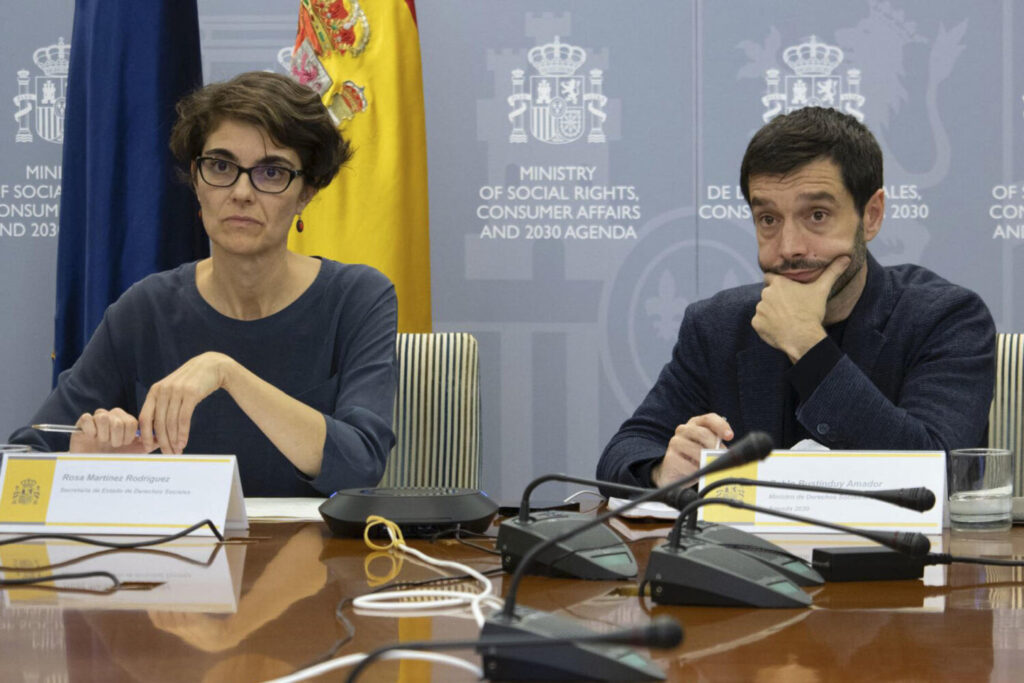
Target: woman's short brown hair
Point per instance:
(291, 114)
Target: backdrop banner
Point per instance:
(583, 160)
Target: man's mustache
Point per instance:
(796, 264)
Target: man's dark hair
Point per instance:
(788, 142)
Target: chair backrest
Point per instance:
(437, 412)
(1006, 416)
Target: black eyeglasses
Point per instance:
(265, 178)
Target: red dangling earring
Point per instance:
(200, 213)
(298, 225)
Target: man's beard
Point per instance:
(858, 257)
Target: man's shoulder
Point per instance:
(921, 299)
(723, 316)
(917, 284)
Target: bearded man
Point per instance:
(831, 346)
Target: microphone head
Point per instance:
(915, 544)
(753, 446)
(679, 498)
(925, 499)
(663, 632)
(919, 499)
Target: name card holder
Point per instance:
(862, 470)
(151, 495)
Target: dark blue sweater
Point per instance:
(333, 349)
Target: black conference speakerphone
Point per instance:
(418, 512)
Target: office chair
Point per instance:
(437, 413)
(1006, 416)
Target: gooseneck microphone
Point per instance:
(599, 553)
(578, 660)
(754, 446)
(690, 571)
(919, 499)
(661, 633)
(909, 542)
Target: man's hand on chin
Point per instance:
(790, 314)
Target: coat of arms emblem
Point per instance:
(559, 100)
(26, 492)
(812, 83)
(45, 94)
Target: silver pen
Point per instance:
(59, 429)
(64, 429)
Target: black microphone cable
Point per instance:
(114, 551)
(946, 558)
(116, 583)
(28, 581)
(457, 531)
(113, 544)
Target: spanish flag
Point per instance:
(364, 60)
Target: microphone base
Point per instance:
(564, 662)
(720, 534)
(699, 573)
(597, 553)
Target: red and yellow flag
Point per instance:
(364, 60)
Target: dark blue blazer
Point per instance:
(917, 372)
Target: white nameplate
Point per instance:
(150, 495)
(863, 470)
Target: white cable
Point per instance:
(397, 601)
(583, 492)
(478, 615)
(351, 660)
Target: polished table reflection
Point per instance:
(275, 598)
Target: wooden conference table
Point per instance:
(253, 611)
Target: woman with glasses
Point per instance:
(285, 360)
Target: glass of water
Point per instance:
(980, 482)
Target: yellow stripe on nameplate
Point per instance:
(26, 489)
(744, 494)
(133, 525)
(126, 458)
(855, 454)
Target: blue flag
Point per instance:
(124, 213)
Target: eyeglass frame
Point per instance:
(292, 173)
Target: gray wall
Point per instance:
(30, 162)
(574, 330)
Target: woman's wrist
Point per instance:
(228, 371)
